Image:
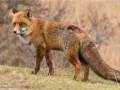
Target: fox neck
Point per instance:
(36, 37)
(25, 39)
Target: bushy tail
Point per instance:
(89, 53)
(91, 56)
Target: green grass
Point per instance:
(16, 78)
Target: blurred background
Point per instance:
(100, 18)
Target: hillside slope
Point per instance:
(16, 78)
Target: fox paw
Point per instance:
(32, 72)
(83, 80)
(51, 72)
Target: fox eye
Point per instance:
(14, 24)
(20, 23)
(24, 24)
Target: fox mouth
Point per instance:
(21, 34)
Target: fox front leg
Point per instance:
(40, 55)
(50, 62)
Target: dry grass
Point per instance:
(16, 78)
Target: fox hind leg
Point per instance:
(75, 61)
(86, 71)
(78, 63)
(85, 68)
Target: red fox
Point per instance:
(47, 35)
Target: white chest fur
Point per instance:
(25, 39)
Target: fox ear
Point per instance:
(14, 10)
(27, 13)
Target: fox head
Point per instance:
(21, 22)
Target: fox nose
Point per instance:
(15, 32)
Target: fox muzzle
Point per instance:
(16, 32)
